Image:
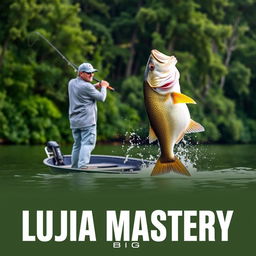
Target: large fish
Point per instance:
(167, 110)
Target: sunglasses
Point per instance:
(88, 73)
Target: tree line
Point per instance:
(213, 40)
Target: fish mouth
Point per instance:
(167, 85)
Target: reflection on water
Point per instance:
(233, 178)
(212, 167)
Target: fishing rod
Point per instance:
(69, 62)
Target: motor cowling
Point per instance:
(54, 148)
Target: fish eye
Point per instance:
(151, 66)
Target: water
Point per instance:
(223, 177)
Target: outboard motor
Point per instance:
(53, 149)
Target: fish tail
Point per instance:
(173, 166)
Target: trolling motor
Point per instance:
(52, 149)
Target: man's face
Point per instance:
(88, 77)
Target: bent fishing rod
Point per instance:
(67, 61)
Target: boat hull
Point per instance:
(102, 164)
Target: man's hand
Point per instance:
(104, 83)
(97, 85)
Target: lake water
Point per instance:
(223, 178)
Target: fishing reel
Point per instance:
(52, 149)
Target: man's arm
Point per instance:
(98, 95)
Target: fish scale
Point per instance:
(159, 113)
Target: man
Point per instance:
(83, 113)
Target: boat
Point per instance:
(98, 163)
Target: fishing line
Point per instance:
(31, 40)
(64, 58)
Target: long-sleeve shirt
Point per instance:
(82, 102)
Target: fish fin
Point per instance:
(180, 138)
(152, 136)
(166, 167)
(181, 98)
(194, 127)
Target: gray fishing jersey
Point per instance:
(82, 102)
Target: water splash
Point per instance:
(133, 140)
(135, 146)
(190, 153)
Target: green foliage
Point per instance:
(115, 118)
(132, 94)
(213, 40)
(239, 77)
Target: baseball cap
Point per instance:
(86, 67)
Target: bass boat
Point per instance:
(56, 161)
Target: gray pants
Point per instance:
(84, 143)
